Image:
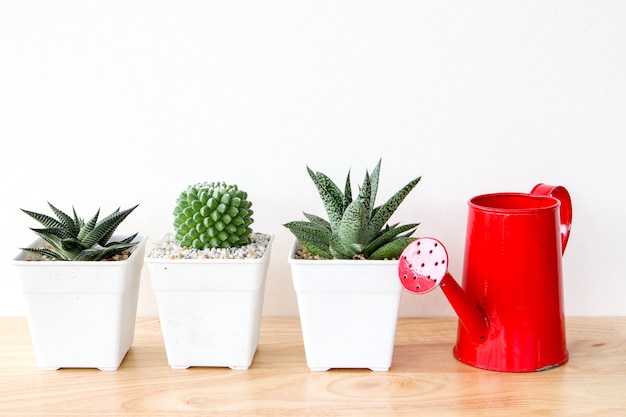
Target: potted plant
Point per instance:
(344, 271)
(81, 285)
(209, 278)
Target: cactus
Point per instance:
(71, 239)
(212, 215)
(355, 227)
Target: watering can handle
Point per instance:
(561, 194)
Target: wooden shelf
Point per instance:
(424, 379)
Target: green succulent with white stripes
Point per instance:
(69, 238)
(355, 228)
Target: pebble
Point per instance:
(168, 248)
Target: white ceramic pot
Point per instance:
(210, 309)
(348, 311)
(81, 314)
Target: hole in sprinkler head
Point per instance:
(419, 243)
(430, 251)
(436, 263)
(428, 277)
(417, 287)
(435, 244)
(419, 251)
(423, 265)
(443, 261)
(404, 276)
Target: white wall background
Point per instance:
(112, 103)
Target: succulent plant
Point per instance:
(212, 215)
(355, 228)
(71, 239)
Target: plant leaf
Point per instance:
(384, 212)
(313, 244)
(86, 228)
(387, 236)
(49, 252)
(66, 220)
(318, 220)
(364, 196)
(331, 196)
(393, 249)
(45, 220)
(53, 232)
(103, 231)
(347, 193)
(313, 230)
(374, 177)
(98, 253)
(129, 239)
(51, 239)
(352, 229)
(339, 250)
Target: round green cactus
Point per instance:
(212, 215)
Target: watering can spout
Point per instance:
(423, 267)
(470, 315)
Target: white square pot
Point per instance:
(81, 314)
(210, 309)
(348, 311)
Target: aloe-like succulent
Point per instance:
(355, 228)
(213, 215)
(69, 238)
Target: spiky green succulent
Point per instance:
(212, 215)
(355, 228)
(69, 238)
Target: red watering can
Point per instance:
(510, 305)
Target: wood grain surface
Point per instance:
(424, 379)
